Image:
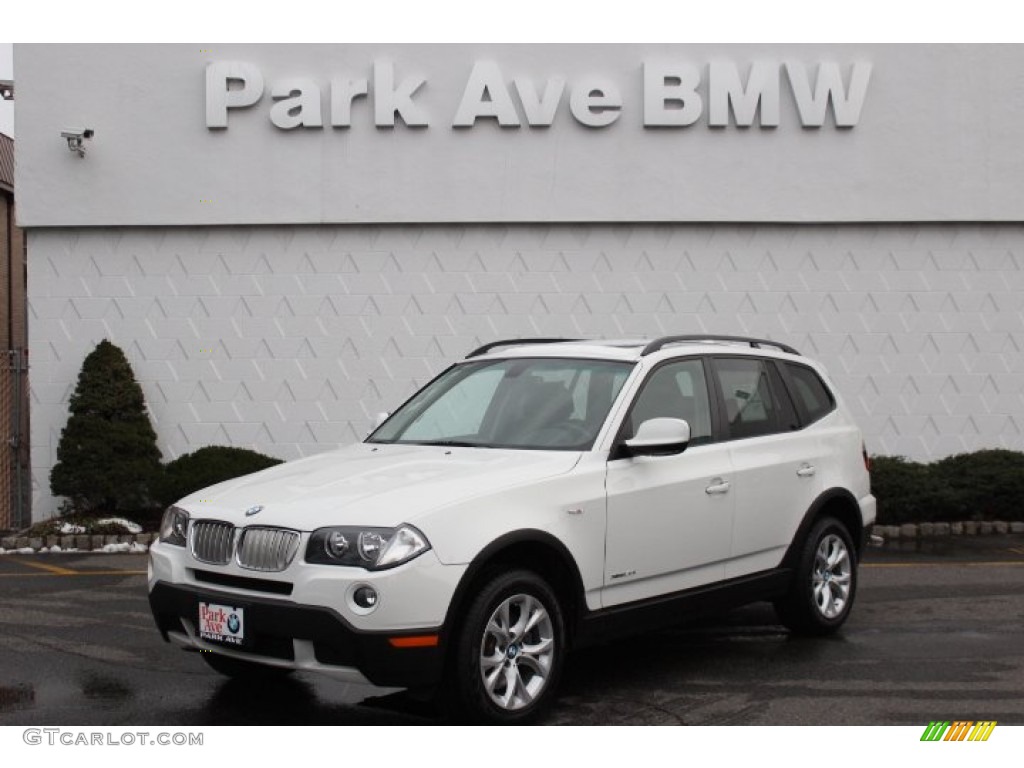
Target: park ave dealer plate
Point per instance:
(222, 623)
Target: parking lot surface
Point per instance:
(935, 634)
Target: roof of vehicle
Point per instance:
(632, 349)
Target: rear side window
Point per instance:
(752, 406)
(812, 396)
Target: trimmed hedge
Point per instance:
(984, 485)
(191, 472)
(186, 474)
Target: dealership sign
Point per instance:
(675, 94)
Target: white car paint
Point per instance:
(665, 531)
(373, 485)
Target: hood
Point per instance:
(372, 485)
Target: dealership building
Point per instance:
(287, 239)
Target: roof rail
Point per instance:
(664, 341)
(511, 343)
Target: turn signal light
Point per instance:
(414, 641)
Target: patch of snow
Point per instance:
(23, 551)
(128, 524)
(71, 528)
(138, 548)
(111, 548)
(54, 548)
(44, 551)
(3, 551)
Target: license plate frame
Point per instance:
(222, 624)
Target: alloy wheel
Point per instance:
(517, 651)
(831, 576)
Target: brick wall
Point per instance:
(288, 339)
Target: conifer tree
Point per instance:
(107, 458)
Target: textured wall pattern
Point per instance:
(289, 339)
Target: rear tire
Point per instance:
(825, 582)
(240, 669)
(509, 652)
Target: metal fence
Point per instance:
(14, 454)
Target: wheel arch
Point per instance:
(535, 550)
(837, 502)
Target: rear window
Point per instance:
(812, 396)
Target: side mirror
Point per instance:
(659, 437)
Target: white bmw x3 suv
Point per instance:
(538, 495)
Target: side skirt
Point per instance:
(668, 610)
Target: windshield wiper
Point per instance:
(449, 443)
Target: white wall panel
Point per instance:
(289, 339)
(937, 139)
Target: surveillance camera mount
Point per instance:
(76, 139)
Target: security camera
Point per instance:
(75, 137)
(77, 133)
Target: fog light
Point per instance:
(365, 598)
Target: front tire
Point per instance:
(825, 582)
(510, 650)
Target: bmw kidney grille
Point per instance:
(212, 542)
(256, 549)
(267, 549)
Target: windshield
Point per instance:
(530, 403)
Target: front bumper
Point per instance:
(313, 638)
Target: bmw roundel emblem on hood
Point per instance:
(254, 510)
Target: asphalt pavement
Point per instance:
(935, 635)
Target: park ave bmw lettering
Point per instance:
(675, 94)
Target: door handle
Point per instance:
(806, 470)
(718, 485)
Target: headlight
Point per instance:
(174, 527)
(371, 548)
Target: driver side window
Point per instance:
(678, 391)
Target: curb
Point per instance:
(26, 545)
(938, 530)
